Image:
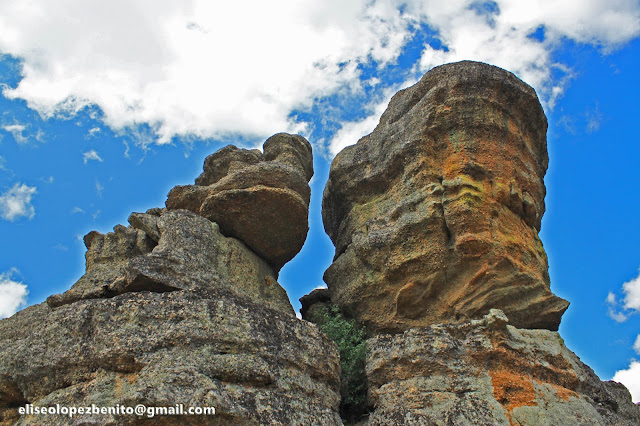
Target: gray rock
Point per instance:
(486, 372)
(173, 250)
(311, 301)
(254, 364)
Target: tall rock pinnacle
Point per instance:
(435, 215)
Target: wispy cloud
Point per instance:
(594, 120)
(94, 131)
(636, 345)
(16, 202)
(351, 132)
(99, 189)
(13, 294)
(91, 155)
(77, 210)
(3, 163)
(630, 304)
(17, 131)
(152, 71)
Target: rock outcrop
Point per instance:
(486, 372)
(255, 365)
(259, 198)
(170, 250)
(435, 215)
(438, 297)
(171, 310)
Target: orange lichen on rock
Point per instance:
(435, 215)
(563, 393)
(512, 390)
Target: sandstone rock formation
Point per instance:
(486, 372)
(254, 364)
(259, 198)
(170, 250)
(435, 215)
(435, 218)
(173, 311)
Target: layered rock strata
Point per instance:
(253, 364)
(487, 372)
(259, 198)
(435, 215)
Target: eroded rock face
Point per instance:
(169, 312)
(486, 372)
(318, 299)
(435, 215)
(255, 365)
(260, 198)
(170, 250)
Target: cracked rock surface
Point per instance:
(254, 364)
(168, 250)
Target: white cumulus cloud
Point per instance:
(13, 295)
(203, 69)
(91, 155)
(16, 202)
(631, 379)
(630, 304)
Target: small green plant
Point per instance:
(350, 339)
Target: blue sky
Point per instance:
(106, 106)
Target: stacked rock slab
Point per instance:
(435, 215)
(170, 311)
(273, 186)
(486, 372)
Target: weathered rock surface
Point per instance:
(255, 365)
(170, 250)
(435, 215)
(486, 372)
(318, 298)
(169, 312)
(260, 198)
